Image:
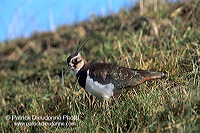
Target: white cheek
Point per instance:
(75, 71)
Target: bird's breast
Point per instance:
(97, 89)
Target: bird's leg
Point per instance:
(105, 104)
(116, 102)
(93, 99)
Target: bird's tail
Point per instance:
(148, 75)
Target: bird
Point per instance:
(105, 79)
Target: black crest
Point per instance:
(77, 50)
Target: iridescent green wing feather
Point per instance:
(121, 77)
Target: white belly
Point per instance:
(98, 89)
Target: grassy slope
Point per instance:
(33, 81)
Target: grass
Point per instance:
(33, 81)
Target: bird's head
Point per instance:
(75, 61)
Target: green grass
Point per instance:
(33, 79)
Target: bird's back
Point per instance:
(120, 77)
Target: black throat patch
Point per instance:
(81, 77)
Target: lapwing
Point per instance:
(104, 79)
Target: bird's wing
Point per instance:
(121, 77)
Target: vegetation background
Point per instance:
(160, 36)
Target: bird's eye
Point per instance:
(75, 61)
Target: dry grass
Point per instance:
(33, 79)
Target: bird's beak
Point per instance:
(67, 69)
